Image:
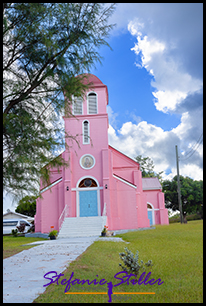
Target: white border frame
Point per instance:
(80, 162)
(77, 189)
(88, 102)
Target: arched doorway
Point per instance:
(150, 212)
(88, 197)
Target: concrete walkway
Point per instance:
(23, 273)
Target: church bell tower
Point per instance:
(88, 173)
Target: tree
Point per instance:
(47, 48)
(147, 167)
(27, 206)
(191, 194)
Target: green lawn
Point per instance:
(177, 254)
(13, 245)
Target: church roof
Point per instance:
(151, 183)
(9, 213)
(94, 79)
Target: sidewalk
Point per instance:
(23, 273)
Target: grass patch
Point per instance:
(177, 254)
(13, 245)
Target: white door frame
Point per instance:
(152, 210)
(77, 189)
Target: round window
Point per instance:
(87, 183)
(87, 161)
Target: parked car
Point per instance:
(10, 224)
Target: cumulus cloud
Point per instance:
(145, 139)
(149, 140)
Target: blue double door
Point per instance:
(88, 203)
(150, 217)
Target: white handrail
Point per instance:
(104, 213)
(62, 216)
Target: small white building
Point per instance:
(14, 215)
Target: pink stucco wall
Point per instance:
(49, 208)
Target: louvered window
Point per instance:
(85, 132)
(92, 103)
(77, 106)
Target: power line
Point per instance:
(193, 149)
(192, 152)
(193, 145)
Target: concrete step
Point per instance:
(82, 226)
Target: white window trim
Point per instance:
(88, 102)
(73, 107)
(85, 143)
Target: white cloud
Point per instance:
(152, 141)
(146, 47)
(135, 27)
(168, 100)
(112, 116)
(192, 170)
(183, 126)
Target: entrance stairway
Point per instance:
(82, 227)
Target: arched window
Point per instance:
(85, 132)
(87, 182)
(149, 206)
(92, 103)
(77, 106)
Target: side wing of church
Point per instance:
(101, 186)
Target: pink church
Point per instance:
(102, 186)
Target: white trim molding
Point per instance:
(51, 185)
(83, 132)
(152, 210)
(124, 181)
(88, 102)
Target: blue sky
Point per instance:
(155, 84)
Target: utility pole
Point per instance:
(178, 185)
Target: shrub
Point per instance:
(53, 233)
(131, 264)
(14, 232)
(176, 218)
(104, 231)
